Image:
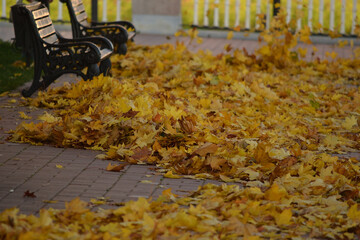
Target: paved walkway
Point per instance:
(37, 169)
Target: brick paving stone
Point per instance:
(64, 198)
(58, 205)
(93, 195)
(31, 204)
(107, 179)
(124, 186)
(133, 176)
(100, 186)
(71, 193)
(116, 195)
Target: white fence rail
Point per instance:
(321, 16)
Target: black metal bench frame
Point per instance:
(54, 55)
(118, 32)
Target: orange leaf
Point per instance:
(205, 149)
(262, 154)
(116, 168)
(217, 162)
(156, 146)
(140, 154)
(170, 174)
(157, 118)
(168, 193)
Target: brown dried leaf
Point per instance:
(216, 163)
(207, 148)
(29, 194)
(262, 153)
(141, 154)
(283, 167)
(116, 168)
(130, 114)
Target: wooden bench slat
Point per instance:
(51, 39)
(79, 9)
(47, 31)
(81, 17)
(40, 13)
(131, 35)
(76, 2)
(85, 23)
(43, 22)
(105, 53)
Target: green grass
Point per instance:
(14, 73)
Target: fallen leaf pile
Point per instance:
(269, 120)
(212, 212)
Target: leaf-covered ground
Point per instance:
(270, 120)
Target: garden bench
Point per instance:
(118, 32)
(54, 55)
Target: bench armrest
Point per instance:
(98, 40)
(106, 30)
(128, 25)
(89, 51)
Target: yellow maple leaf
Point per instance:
(353, 213)
(332, 140)
(147, 182)
(112, 228)
(332, 54)
(230, 35)
(342, 43)
(302, 52)
(59, 166)
(284, 217)
(180, 33)
(275, 193)
(149, 224)
(168, 195)
(172, 111)
(349, 122)
(76, 206)
(45, 218)
(24, 116)
(169, 174)
(47, 117)
(264, 50)
(98, 201)
(225, 178)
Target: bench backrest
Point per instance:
(40, 22)
(44, 25)
(79, 12)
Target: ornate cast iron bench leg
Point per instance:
(35, 85)
(105, 67)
